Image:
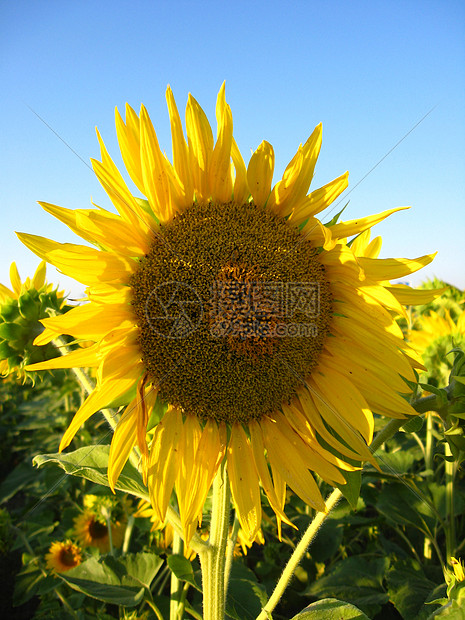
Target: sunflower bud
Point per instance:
(20, 313)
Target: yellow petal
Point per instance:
(243, 479)
(5, 293)
(241, 190)
(81, 358)
(129, 143)
(180, 150)
(391, 268)
(219, 172)
(346, 401)
(89, 322)
(15, 279)
(319, 199)
(354, 227)
(122, 442)
(200, 139)
(86, 265)
(258, 449)
(282, 191)
(291, 191)
(290, 465)
(101, 227)
(260, 173)
(99, 399)
(154, 171)
(163, 461)
(413, 296)
(118, 192)
(39, 277)
(314, 461)
(200, 455)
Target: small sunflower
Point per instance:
(20, 312)
(63, 556)
(269, 337)
(434, 337)
(92, 531)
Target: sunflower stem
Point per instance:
(176, 586)
(297, 555)
(213, 559)
(230, 551)
(421, 405)
(450, 468)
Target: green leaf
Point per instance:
(91, 462)
(351, 490)
(413, 425)
(327, 542)
(408, 589)
(142, 566)
(21, 476)
(355, 580)
(331, 609)
(246, 596)
(403, 505)
(105, 580)
(183, 570)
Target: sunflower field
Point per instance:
(243, 418)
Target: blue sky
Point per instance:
(369, 71)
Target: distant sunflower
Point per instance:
(63, 556)
(434, 336)
(269, 338)
(20, 311)
(92, 531)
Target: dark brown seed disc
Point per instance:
(233, 308)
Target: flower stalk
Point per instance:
(213, 559)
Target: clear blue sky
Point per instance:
(369, 71)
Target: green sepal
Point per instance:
(11, 331)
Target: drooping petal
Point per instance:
(163, 461)
(289, 463)
(243, 479)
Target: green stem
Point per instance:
(176, 586)
(427, 551)
(297, 554)
(391, 428)
(212, 560)
(128, 533)
(230, 551)
(450, 519)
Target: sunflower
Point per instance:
(63, 556)
(20, 311)
(269, 338)
(434, 336)
(92, 531)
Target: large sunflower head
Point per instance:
(268, 336)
